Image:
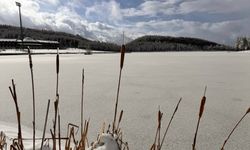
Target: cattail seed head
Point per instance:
(159, 118)
(30, 58)
(203, 101)
(57, 62)
(83, 73)
(122, 55)
(120, 118)
(248, 111)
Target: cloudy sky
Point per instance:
(217, 20)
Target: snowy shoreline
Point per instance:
(50, 51)
(7, 52)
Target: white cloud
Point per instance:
(222, 32)
(214, 6)
(54, 2)
(63, 19)
(9, 11)
(105, 11)
(151, 8)
(105, 20)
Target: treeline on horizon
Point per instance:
(167, 43)
(149, 43)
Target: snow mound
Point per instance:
(106, 142)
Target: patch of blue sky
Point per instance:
(207, 17)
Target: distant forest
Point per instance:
(167, 43)
(143, 44)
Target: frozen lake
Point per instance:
(148, 80)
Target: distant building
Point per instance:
(33, 44)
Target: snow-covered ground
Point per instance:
(148, 80)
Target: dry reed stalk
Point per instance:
(56, 103)
(152, 147)
(14, 96)
(53, 138)
(169, 123)
(159, 128)
(103, 127)
(83, 140)
(119, 140)
(33, 96)
(156, 144)
(67, 144)
(55, 120)
(119, 121)
(82, 101)
(45, 124)
(247, 112)
(86, 133)
(119, 82)
(71, 135)
(57, 70)
(202, 106)
(2, 140)
(72, 125)
(59, 131)
(15, 146)
(126, 146)
(123, 145)
(86, 128)
(39, 139)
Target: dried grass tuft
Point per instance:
(3, 143)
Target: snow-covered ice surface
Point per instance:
(148, 80)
